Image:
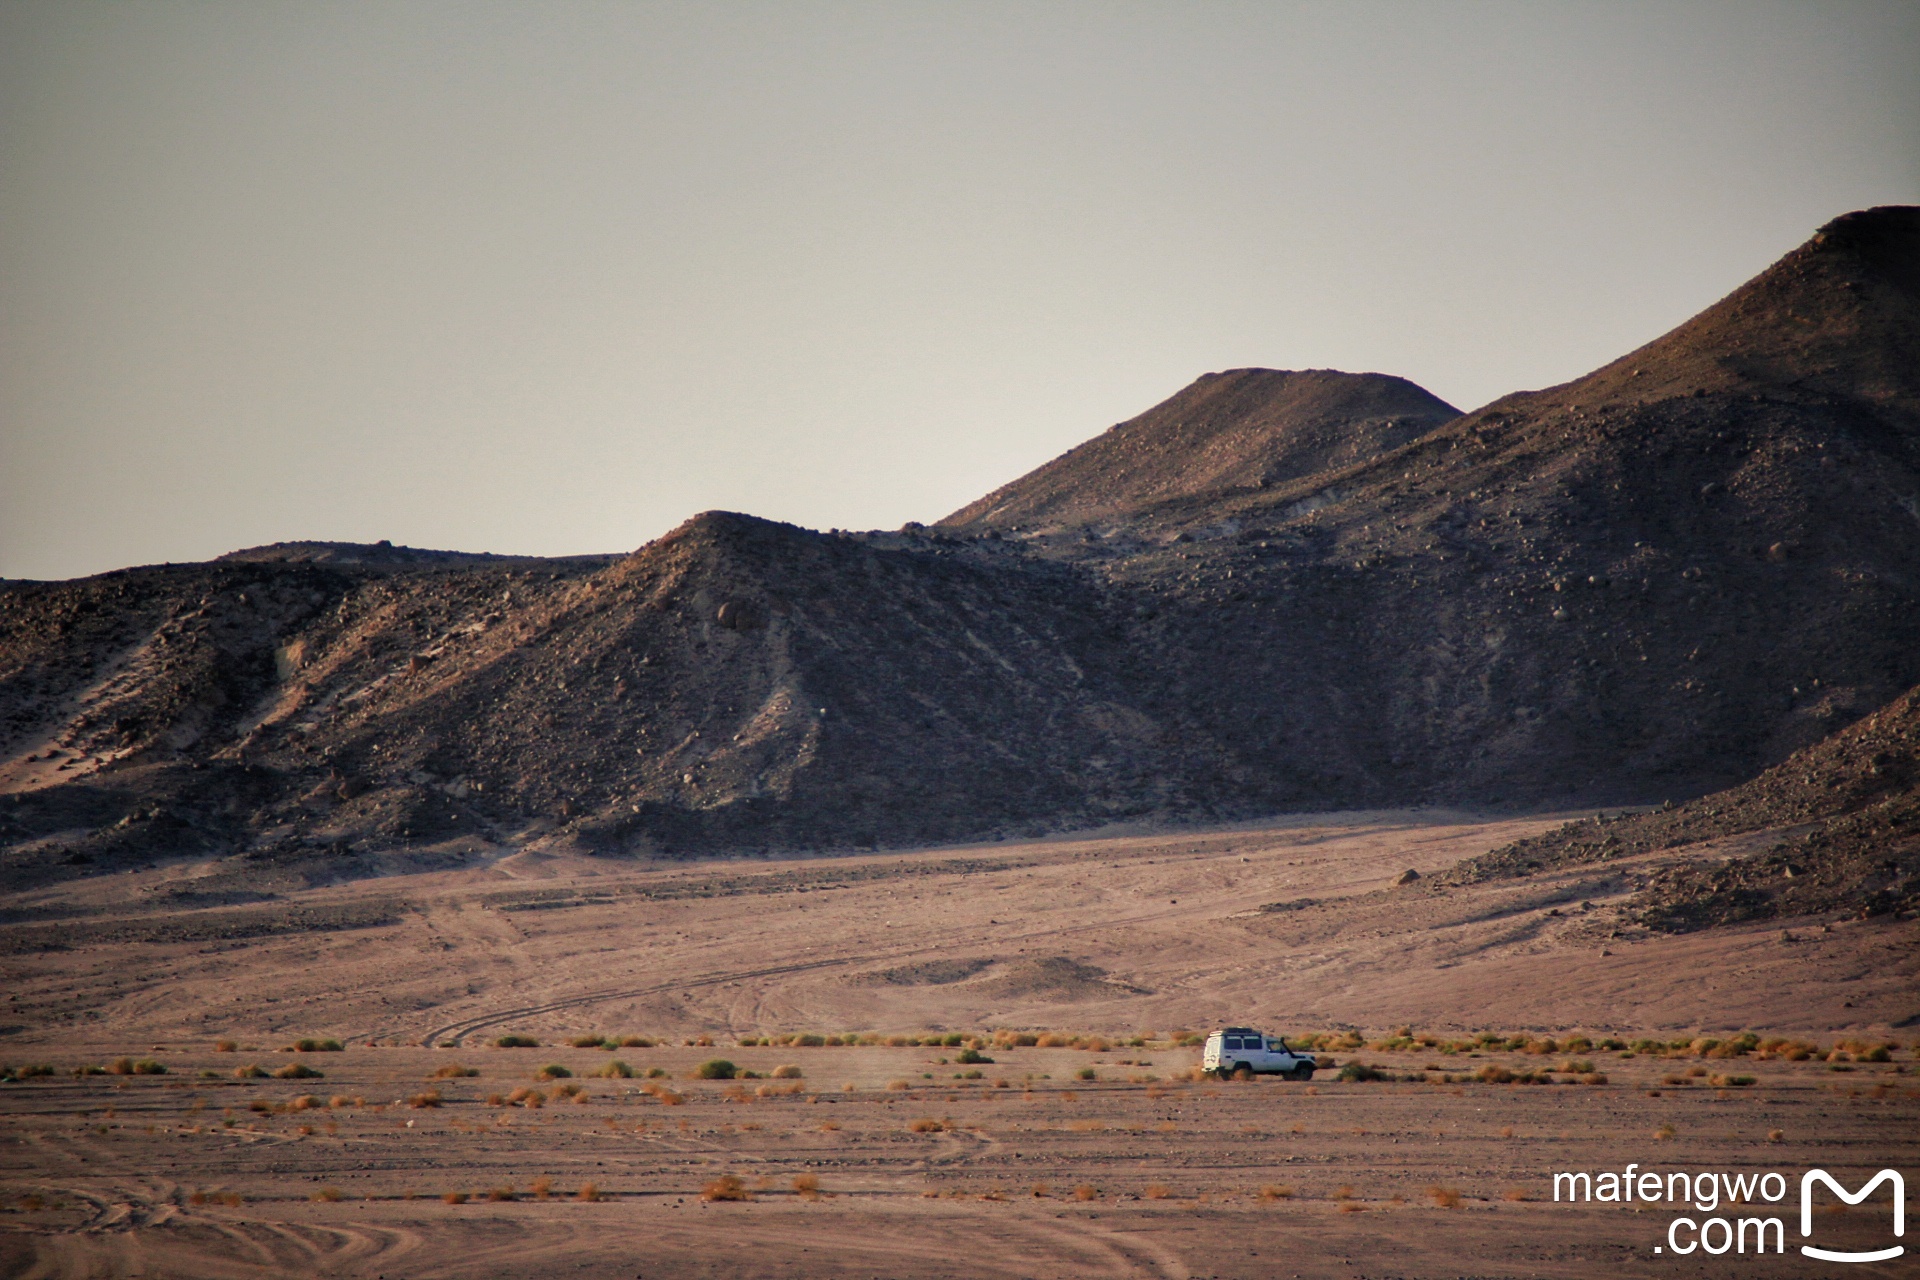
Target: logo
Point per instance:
(1853, 1197)
(1708, 1191)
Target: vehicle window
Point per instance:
(1231, 1042)
(1276, 1045)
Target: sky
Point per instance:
(551, 277)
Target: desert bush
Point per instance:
(1776, 1135)
(309, 1045)
(1445, 1197)
(829, 1126)
(897, 1085)
(330, 1195)
(260, 1104)
(715, 1069)
(225, 1046)
(1086, 1073)
(968, 1056)
(1493, 1073)
(613, 1069)
(635, 1042)
(1156, 1191)
(589, 1192)
(1664, 1133)
(431, 1098)
(656, 1073)
(502, 1194)
(787, 1071)
(1731, 1082)
(589, 1042)
(553, 1071)
(516, 1042)
(454, 1071)
(926, 1124)
(806, 1186)
(726, 1187)
(305, 1102)
(542, 1188)
(454, 1197)
(297, 1071)
(340, 1100)
(1086, 1192)
(1359, 1072)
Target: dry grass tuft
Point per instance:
(431, 1098)
(1351, 1207)
(1085, 1192)
(297, 1071)
(1272, 1192)
(1516, 1194)
(542, 1188)
(1776, 1135)
(589, 1192)
(807, 1186)
(926, 1124)
(454, 1197)
(829, 1126)
(501, 1194)
(454, 1071)
(329, 1195)
(1445, 1197)
(726, 1187)
(1664, 1133)
(225, 1046)
(898, 1085)
(1157, 1191)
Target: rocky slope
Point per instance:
(1848, 809)
(1277, 590)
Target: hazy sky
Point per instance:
(551, 277)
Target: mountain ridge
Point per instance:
(1648, 583)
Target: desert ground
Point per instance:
(897, 1159)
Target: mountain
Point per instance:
(1275, 591)
(1242, 429)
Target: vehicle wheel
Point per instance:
(1303, 1072)
(1243, 1072)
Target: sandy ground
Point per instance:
(1122, 935)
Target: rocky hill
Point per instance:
(1277, 590)
(1847, 808)
(1242, 429)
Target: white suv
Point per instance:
(1242, 1049)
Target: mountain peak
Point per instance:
(1233, 430)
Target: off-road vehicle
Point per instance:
(1243, 1053)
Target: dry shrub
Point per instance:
(1664, 1133)
(1272, 1192)
(829, 1126)
(454, 1197)
(1351, 1207)
(1516, 1194)
(926, 1124)
(588, 1042)
(726, 1187)
(589, 1192)
(1343, 1193)
(454, 1071)
(305, 1102)
(197, 1198)
(224, 1046)
(330, 1195)
(431, 1098)
(1776, 1135)
(787, 1071)
(542, 1187)
(297, 1071)
(1445, 1197)
(305, 1131)
(1157, 1191)
(899, 1084)
(1085, 1192)
(501, 1194)
(233, 1199)
(1507, 1131)
(249, 1072)
(807, 1186)
(339, 1100)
